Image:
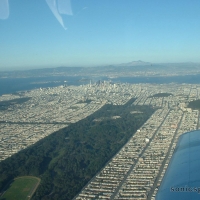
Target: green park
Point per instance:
(21, 188)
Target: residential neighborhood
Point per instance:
(136, 171)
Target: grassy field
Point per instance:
(22, 188)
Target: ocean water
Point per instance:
(12, 85)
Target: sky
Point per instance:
(53, 33)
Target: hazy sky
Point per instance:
(34, 33)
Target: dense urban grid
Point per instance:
(136, 171)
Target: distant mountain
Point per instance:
(135, 63)
(134, 68)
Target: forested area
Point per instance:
(67, 159)
(194, 104)
(4, 105)
(161, 95)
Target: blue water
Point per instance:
(189, 79)
(12, 85)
